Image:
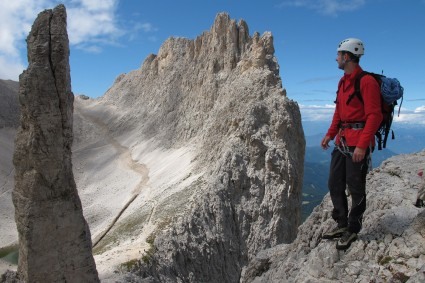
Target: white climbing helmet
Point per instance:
(352, 45)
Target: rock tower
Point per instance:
(54, 238)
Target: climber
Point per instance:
(353, 126)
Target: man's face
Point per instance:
(340, 59)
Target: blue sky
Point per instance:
(110, 37)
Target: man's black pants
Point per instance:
(346, 173)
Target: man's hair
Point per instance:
(353, 57)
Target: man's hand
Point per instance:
(358, 154)
(325, 142)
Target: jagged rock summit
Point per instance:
(182, 87)
(219, 148)
(390, 248)
(54, 238)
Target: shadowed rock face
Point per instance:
(54, 239)
(9, 110)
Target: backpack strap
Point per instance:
(357, 87)
(337, 91)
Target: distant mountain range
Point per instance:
(408, 139)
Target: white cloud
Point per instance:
(93, 21)
(416, 116)
(96, 5)
(16, 18)
(317, 112)
(420, 108)
(146, 27)
(10, 68)
(326, 7)
(91, 25)
(324, 113)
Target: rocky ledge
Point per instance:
(390, 248)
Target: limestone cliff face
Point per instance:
(54, 239)
(220, 94)
(390, 247)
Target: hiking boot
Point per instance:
(346, 240)
(419, 203)
(335, 233)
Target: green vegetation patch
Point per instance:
(129, 265)
(10, 254)
(146, 258)
(385, 260)
(401, 277)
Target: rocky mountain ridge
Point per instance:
(219, 97)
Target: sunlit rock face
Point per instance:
(220, 95)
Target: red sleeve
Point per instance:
(370, 91)
(334, 127)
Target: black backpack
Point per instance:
(391, 91)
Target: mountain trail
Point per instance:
(126, 159)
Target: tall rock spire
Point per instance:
(54, 238)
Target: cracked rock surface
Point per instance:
(54, 238)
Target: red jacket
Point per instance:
(368, 111)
